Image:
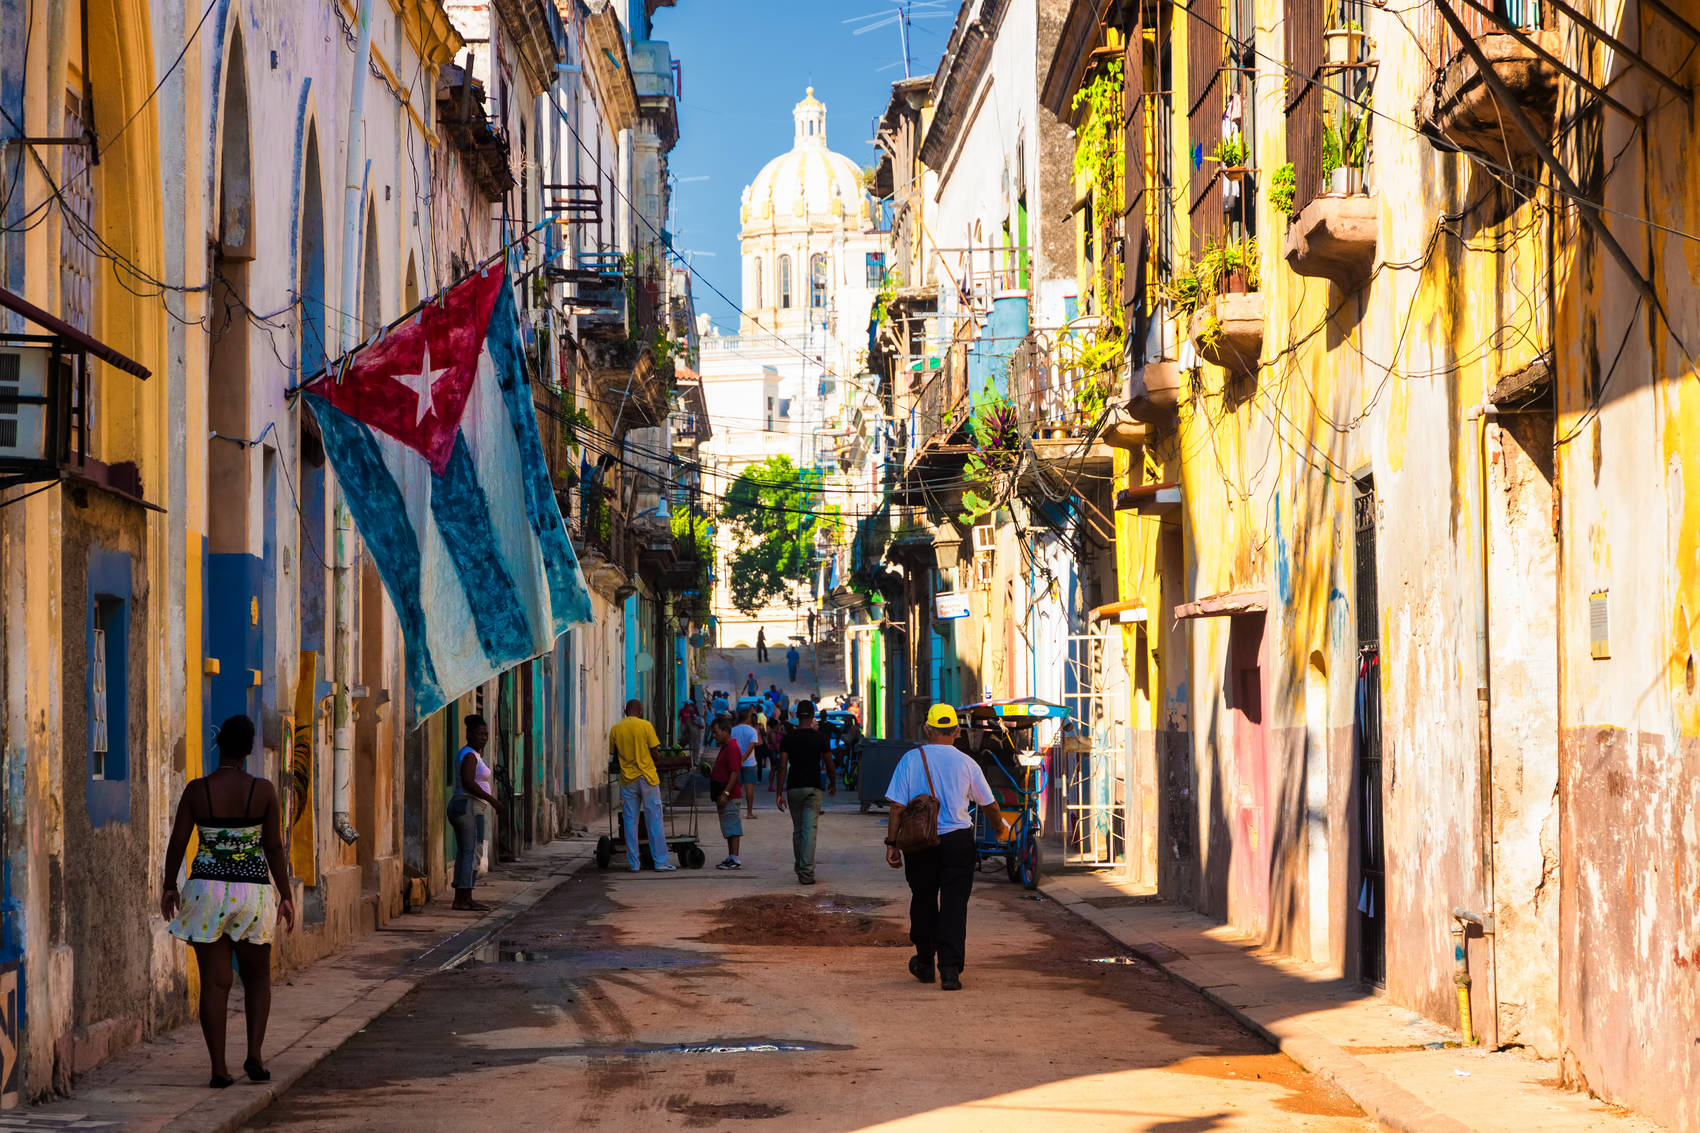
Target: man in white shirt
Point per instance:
(941, 878)
(745, 734)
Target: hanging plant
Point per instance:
(997, 441)
(1283, 189)
(1098, 143)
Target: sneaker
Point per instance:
(668, 868)
(729, 864)
(805, 879)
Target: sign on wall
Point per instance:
(949, 605)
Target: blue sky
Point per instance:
(746, 64)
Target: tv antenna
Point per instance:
(902, 14)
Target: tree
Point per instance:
(774, 514)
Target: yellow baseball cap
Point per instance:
(941, 716)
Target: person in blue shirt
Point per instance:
(792, 657)
(721, 705)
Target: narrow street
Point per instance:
(647, 1002)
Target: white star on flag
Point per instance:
(421, 384)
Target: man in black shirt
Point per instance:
(805, 765)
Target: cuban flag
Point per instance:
(433, 437)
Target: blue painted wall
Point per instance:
(109, 601)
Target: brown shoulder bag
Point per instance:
(918, 825)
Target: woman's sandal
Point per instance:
(219, 1082)
(255, 1071)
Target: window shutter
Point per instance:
(1133, 181)
(1205, 55)
(1303, 104)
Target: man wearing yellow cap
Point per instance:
(940, 878)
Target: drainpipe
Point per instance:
(342, 714)
(1462, 919)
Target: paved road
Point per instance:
(633, 1002)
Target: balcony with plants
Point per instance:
(1218, 297)
(628, 335)
(1333, 221)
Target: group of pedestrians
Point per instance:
(239, 887)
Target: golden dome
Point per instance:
(808, 181)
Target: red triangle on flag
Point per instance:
(414, 383)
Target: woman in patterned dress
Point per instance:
(238, 887)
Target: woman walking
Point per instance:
(238, 887)
(473, 780)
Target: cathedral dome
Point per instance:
(808, 184)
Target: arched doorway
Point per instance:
(234, 615)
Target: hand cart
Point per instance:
(1001, 735)
(679, 817)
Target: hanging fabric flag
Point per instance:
(299, 781)
(433, 438)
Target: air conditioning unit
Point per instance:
(985, 539)
(983, 572)
(31, 415)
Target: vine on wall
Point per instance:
(1098, 158)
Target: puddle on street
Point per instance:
(731, 1046)
(623, 959)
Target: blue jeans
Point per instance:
(469, 838)
(805, 803)
(649, 796)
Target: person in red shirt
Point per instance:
(727, 791)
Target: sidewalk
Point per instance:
(161, 1083)
(1401, 1068)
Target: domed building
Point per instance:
(791, 380)
(807, 235)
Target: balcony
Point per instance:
(1155, 393)
(604, 543)
(1334, 238)
(1058, 408)
(1458, 109)
(1228, 331)
(657, 78)
(483, 147)
(602, 302)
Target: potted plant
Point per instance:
(1232, 154)
(1343, 43)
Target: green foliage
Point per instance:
(1332, 158)
(997, 441)
(773, 515)
(1231, 153)
(1283, 189)
(887, 292)
(1098, 142)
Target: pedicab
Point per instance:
(1002, 737)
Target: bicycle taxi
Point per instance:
(1003, 737)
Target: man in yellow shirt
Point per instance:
(633, 743)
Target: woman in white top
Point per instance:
(473, 779)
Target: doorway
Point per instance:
(1369, 888)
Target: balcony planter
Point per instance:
(1335, 238)
(1156, 391)
(1346, 179)
(1229, 332)
(1235, 172)
(1459, 110)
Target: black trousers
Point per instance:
(940, 880)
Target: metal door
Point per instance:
(1092, 763)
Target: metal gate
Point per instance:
(1093, 764)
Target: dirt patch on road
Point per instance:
(701, 1115)
(824, 920)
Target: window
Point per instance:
(784, 281)
(77, 230)
(876, 270)
(755, 283)
(817, 281)
(107, 686)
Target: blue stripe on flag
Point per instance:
(462, 512)
(381, 515)
(569, 598)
